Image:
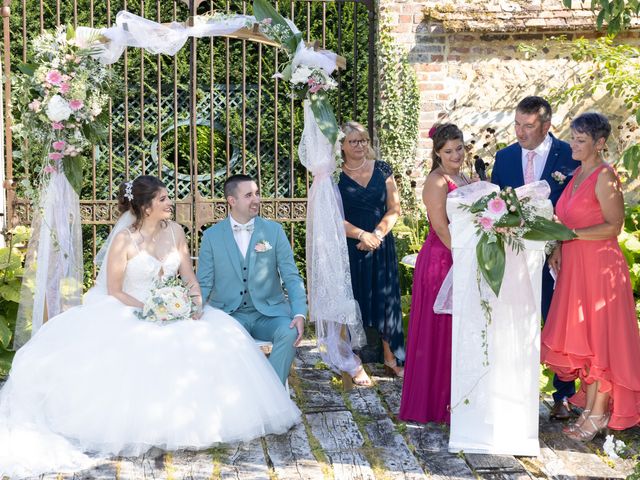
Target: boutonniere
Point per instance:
(559, 177)
(263, 246)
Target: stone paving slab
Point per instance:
(356, 435)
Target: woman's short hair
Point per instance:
(594, 124)
(440, 135)
(355, 127)
(137, 195)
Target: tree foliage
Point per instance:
(617, 14)
(398, 113)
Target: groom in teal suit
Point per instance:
(243, 264)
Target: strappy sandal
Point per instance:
(573, 426)
(360, 380)
(392, 368)
(598, 423)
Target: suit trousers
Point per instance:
(275, 330)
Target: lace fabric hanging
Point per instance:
(331, 302)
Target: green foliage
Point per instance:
(410, 232)
(11, 269)
(629, 241)
(616, 13)
(397, 114)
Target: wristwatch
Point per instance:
(378, 233)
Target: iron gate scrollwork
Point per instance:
(212, 110)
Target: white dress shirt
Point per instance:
(539, 161)
(242, 237)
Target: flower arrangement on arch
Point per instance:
(62, 98)
(501, 219)
(309, 74)
(169, 301)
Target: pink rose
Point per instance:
(76, 105)
(486, 223)
(57, 125)
(35, 106)
(497, 206)
(64, 87)
(315, 88)
(54, 77)
(55, 156)
(49, 169)
(260, 247)
(59, 145)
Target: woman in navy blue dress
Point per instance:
(371, 207)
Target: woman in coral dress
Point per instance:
(592, 331)
(426, 390)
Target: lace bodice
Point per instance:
(144, 269)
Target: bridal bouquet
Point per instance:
(501, 218)
(169, 301)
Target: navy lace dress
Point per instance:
(374, 275)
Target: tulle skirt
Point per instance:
(97, 380)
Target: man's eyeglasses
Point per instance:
(362, 142)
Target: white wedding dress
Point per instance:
(96, 381)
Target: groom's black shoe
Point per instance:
(560, 411)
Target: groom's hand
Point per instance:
(298, 324)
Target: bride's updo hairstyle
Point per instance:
(137, 195)
(441, 134)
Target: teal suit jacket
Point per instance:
(223, 278)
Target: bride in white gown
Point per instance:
(96, 381)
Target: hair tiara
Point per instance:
(128, 190)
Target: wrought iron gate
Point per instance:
(212, 110)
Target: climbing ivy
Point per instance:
(397, 112)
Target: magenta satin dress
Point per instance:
(426, 392)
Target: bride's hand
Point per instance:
(197, 315)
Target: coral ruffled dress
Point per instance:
(592, 331)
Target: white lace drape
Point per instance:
(494, 407)
(53, 274)
(331, 303)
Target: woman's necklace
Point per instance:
(459, 176)
(344, 165)
(583, 175)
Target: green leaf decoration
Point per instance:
(27, 68)
(71, 32)
(323, 114)
(262, 9)
(5, 332)
(542, 229)
(73, 168)
(491, 262)
(286, 73)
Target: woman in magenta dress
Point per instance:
(426, 390)
(592, 331)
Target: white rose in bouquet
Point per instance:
(170, 301)
(176, 301)
(301, 74)
(58, 109)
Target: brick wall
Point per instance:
(475, 79)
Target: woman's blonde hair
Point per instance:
(355, 127)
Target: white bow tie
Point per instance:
(240, 228)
